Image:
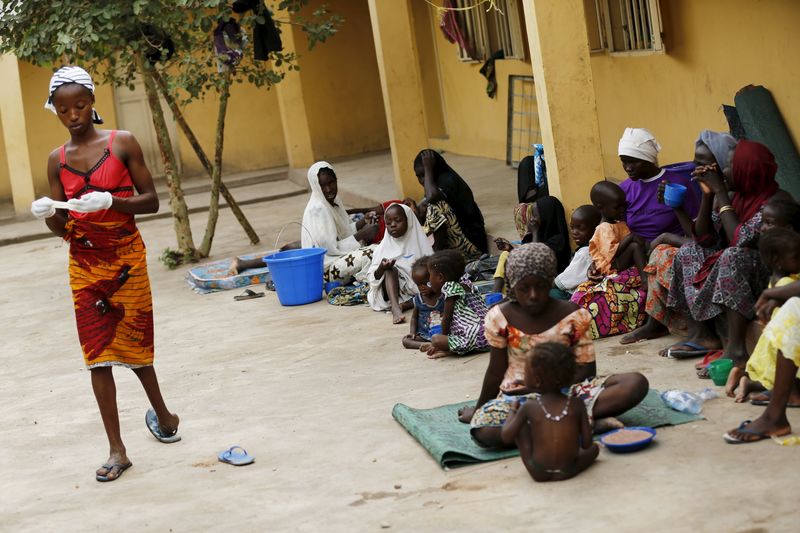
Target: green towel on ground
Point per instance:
(449, 442)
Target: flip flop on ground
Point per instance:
(151, 420)
(698, 350)
(762, 399)
(112, 468)
(248, 294)
(236, 456)
(744, 435)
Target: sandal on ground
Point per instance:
(702, 367)
(151, 420)
(236, 456)
(110, 467)
(765, 397)
(698, 350)
(248, 294)
(730, 438)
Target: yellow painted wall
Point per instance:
(253, 131)
(714, 48)
(342, 87)
(5, 178)
(476, 124)
(44, 131)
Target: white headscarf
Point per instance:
(404, 250)
(71, 74)
(329, 225)
(639, 143)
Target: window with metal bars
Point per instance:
(486, 31)
(624, 25)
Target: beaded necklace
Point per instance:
(554, 418)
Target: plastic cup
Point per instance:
(674, 194)
(718, 371)
(493, 297)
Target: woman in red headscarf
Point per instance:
(721, 271)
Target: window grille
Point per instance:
(624, 25)
(489, 31)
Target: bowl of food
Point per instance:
(628, 439)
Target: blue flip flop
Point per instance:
(699, 350)
(151, 420)
(236, 458)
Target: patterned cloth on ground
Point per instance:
(616, 304)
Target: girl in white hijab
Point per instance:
(329, 226)
(389, 274)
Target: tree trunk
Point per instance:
(201, 155)
(216, 174)
(180, 213)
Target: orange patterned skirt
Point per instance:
(111, 293)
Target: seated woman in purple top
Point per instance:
(711, 148)
(618, 302)
(645, 214)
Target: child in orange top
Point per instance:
(613, 247)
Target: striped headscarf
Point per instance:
(66, 75)
(535, 259)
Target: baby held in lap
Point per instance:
(551, 429)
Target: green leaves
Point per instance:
(106, 37)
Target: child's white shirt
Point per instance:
(576, 272)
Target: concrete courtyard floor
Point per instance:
(309, 391)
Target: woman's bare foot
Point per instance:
(397, 315)
(438, 354)
(745, 387)
(424, 347)
(601, 425)
(652, 329)
(734, 380)
(116, 464)
(234, 268)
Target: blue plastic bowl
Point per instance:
(493, 298)
(633, 446)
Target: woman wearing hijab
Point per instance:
(548, 225)
(722, 272)
(527, 193)
(711, 149)
(327, 225)
(101, 177)
(389, 274)
(446, 191)
(645, 215)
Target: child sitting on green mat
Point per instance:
(551, 429)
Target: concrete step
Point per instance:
(27, 228)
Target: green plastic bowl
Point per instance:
(718, 371)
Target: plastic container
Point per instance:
(718, 371)
(493, 298)
(332, 285)
(436, 330)
(297, 275)
(674, 193)
(631, 446)
(687, 402)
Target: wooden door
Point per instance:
(133, 114)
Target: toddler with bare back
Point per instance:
(551, 429)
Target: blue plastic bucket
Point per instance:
(297, 275)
